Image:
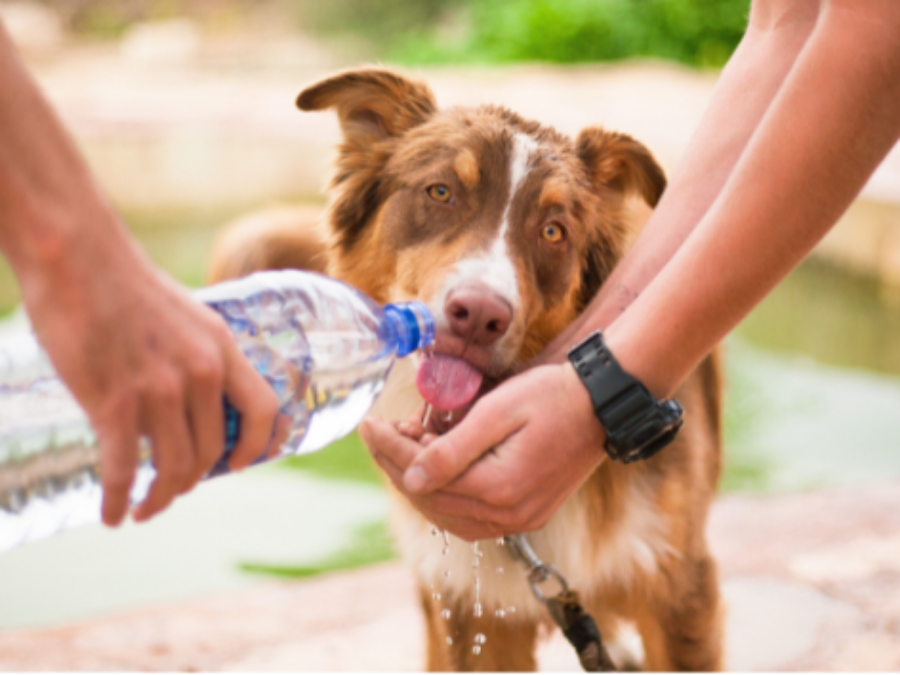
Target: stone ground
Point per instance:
(812, 582)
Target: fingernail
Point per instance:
(415, 479)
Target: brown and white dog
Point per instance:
(506, 229)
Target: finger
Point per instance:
(257, 403)
(469, 529)
(488, 423)
(279, 435)
(165, 423)
(381, 437)
(207, 423)
(118, 462)
(411, 429)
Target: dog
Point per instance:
(506, 229)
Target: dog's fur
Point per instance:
(632, 539)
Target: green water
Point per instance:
(832, 317)
(178, 240)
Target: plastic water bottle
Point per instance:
(324, 347)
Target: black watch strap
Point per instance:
(637, 425)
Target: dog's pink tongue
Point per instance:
(448, 383)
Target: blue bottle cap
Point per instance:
(412, 324)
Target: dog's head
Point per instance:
(504, 227)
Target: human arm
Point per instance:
(776, 33)
(832, 123)
(139, 355)
(833, 119)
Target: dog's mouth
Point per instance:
(451, 379)
(447, 382)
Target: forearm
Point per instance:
(49, 203)
(831, 124)
(742, 95)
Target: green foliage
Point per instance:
(371, 544)
(696, 32)
(346, 459)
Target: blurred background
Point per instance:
(184, 108)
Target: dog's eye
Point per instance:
(440, 193)
(553, 233)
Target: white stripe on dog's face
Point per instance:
(495, 268)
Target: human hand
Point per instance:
(145, 359)
(521, 451)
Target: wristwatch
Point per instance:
(637, 425)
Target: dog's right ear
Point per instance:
(372, 104)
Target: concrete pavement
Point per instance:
(812, 582)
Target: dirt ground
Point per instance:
(812, 582)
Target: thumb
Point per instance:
(488, 423)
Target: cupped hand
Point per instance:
(521, 451)
(145, 359)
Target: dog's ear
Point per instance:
(372, 104)
(618, 166)
(618, 162)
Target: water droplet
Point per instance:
(446, 536)
(477, 610)
(511, 609)
(446, 613)
(446, 574)
(426, 415)
(499, 570)
(447, 416)
(436, 596)
(480, 639)
(501, 541)
(475, 563)
(449, 640)
(445, 550)
(500, 613)
(476, 650)
(434, 531)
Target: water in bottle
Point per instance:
(324, 347)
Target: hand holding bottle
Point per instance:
(141, 357)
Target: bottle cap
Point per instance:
(412, 324)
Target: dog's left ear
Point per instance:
(372, 103)
(618, 162)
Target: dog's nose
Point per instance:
(477, 315)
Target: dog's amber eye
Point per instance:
(440, 193)
(553, 233)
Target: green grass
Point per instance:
(371, 544)
(346, 459)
